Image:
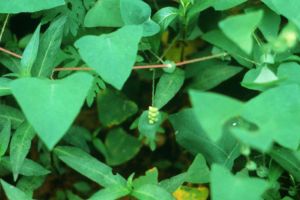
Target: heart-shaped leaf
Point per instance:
(51, 105)
(112, 55)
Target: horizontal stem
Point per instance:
(135, 67)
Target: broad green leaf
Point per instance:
(111, 55)
(114, 108)
(289, 72)
(137, 12)
(30, 53)
(217, 38)
(225, 186)
(288, 160)
(198, 172)
(4, 86)
(191, 136)
(20, 146)
(12, 114)
(167, 87)
(151, 192)
(173, 183)
(261, 78)
(120, 146)
(151, 177)
(29, 184)
(210, 76)
(240, 28)
(213, 111)
(281, 109)
(104, 13)
(13, 193)
(198, 6)
(4, 137)
(165, 16)
(225, 4)
(18, 6)
(110, 193)
(287, 8)
(48, 48)
(270, 24)
(92, 168)
(29, 167)
(61, 100)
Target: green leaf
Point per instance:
(30, 53)
(173, 183)
(225, 186)
(165, 16)
(210, 76)
(288, 8)
(114, 108)
(30, 184)
(191, 136)
(218, 38)
(60, 99)
(281, 109)
(4, 86)
(289, 72)
(48, 48)
(78, 137)
(13, 193)
(167, 87)
(29, 167)
(18, 6)
(111, 55)
(288, 160)
(213, 111)
(20, 146)
(224, 4)
(92, 168)
(151, 192)
(261, 78)
(270, 24)
(151, 177)
(4, 137)
(240, 28)
(198, 172)
(74, 11)
(111, 193)
(137, 12)
(120, 146)
(105, 13)
(12, 114)
(197, 7)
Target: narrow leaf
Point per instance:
(92, 168)
(167, 87)
(13, 193)
(4, 138)
(48, 48)
(20, 146)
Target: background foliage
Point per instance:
(133, 99)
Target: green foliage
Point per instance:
(52, 97)
(19, 6)
(185, 99)
(117, 70)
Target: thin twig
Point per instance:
(10, 53)
(135, 67)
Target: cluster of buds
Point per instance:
(153, 113)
